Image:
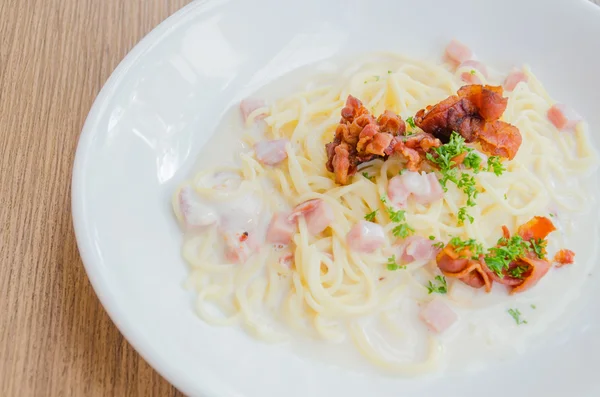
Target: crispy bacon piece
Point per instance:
(536, 269)
(461, 265)
(539, 227)
(500, 139)
(360, 138)
(564, 257)
(474, 114)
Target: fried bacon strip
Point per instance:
(564, 257)
(473, 113)
(522, 273)
(539, 227)
(360, 138)
(459, 264)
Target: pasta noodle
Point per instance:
(330, 290)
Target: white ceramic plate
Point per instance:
(166, 98)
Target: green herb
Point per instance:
(369, 177)
(533, 306)
(471, 244)
(401, 171)
(551, 215)
(495, 164)
(507, 251)
(402, 230)
(463, 216)
(389, 72)
(467, 184)
(392, 265)
(517, 271)
(516, 314)
(505, 197)
(411, 122)
(432, 237)
(473, 161)
(440, 287)
(472, 71)
(439, 245)
(445, 154)
(383, 199)
(396, 216)
(539, 247)
(371, 216)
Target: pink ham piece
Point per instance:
(239, 246)
(424, 187)
(249, 105)
(457, 52)
(417, 248)
(317, 214)
(193, 212)
(281, 229)
(469, 76)
(437, 316)
(514, 78)
(271, 152)
(563, 117)
(365, 237)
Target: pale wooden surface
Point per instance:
(55, 338)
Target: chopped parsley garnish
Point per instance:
(392, 265)
(533, 306)
(473, 71)
(440, 287)
(500, 257)
(473, 161)
(439, 245)
(467, 184)
(396, 216)
(505, 196)
(494, 164)
(402, 230)
(411, 122)
(551, 215)
(389, 72)
(371, 216)
(463, 216)
(432, 237)
(445, 154)
(539, 247)
(517, 271)
(471, 244)
(366, 175)
(516, 315)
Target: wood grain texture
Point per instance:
(55, 338)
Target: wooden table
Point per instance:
(55, 338)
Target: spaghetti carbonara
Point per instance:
(291, 241)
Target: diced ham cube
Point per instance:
(239, 246)
(271, 152)
(437, 315)
(249, 105)
(193, 212)
(470, 78)
(424, 187)
(281, 229)
(475, 65)
(417, 248)
(563, 117)
(457, 52)
(365, 237)
(514, 78)
(317, 214)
